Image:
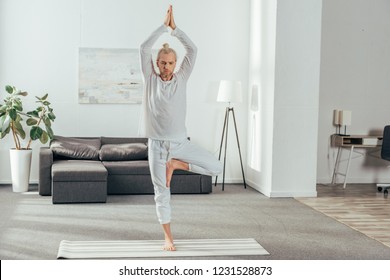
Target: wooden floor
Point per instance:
(360, 206)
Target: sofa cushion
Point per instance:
(123, 152)
(123, 140)
(78, 171)
(134, 167)
(75, 148)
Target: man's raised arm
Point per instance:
(146, 51)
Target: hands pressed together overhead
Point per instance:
(169, 20)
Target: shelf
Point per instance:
(357, 140)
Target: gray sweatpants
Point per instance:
(199, 160)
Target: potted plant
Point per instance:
(12, 118)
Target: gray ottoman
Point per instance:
(79, 181)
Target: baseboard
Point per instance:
(280, 194)
(293, 194)
(5, 182)
(9, 182)
(229, 180)
(257, 187)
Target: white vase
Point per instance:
(20, 169)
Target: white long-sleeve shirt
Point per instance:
(165, 102)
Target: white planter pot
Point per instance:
(20, 169)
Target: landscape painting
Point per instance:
(109, 76)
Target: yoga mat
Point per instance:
(153, 248)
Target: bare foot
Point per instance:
(169, 246)
(172, 165)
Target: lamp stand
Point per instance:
(225, 134)
(345, 131)
(338, 131)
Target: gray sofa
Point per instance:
(87, 169)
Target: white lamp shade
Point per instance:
(229, 91)
(345, 117)
(336, 117)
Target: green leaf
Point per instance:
(5, 132)
(4, 122)
(3, 108)
(19, 118)
(46, 121)
(43, 97)
(33, 114)
(13, 114)
(23, 93)
(51, 116)
(50, 132)
(18, 107)
(18, 104)
(31, 121)
(44, 137)
(9, 89)
(19, 129)
(46, 103)
(35, 132)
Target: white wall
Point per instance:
(262, 75)
(39, 53)
(355, 71)
(288, 74)
(297, 73)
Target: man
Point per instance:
(165, 113)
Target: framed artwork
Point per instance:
(109, 76)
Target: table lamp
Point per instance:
(342, 118)
(345, 119)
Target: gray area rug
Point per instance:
(153, 248)
(32, 227)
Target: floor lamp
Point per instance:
(229, 91)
